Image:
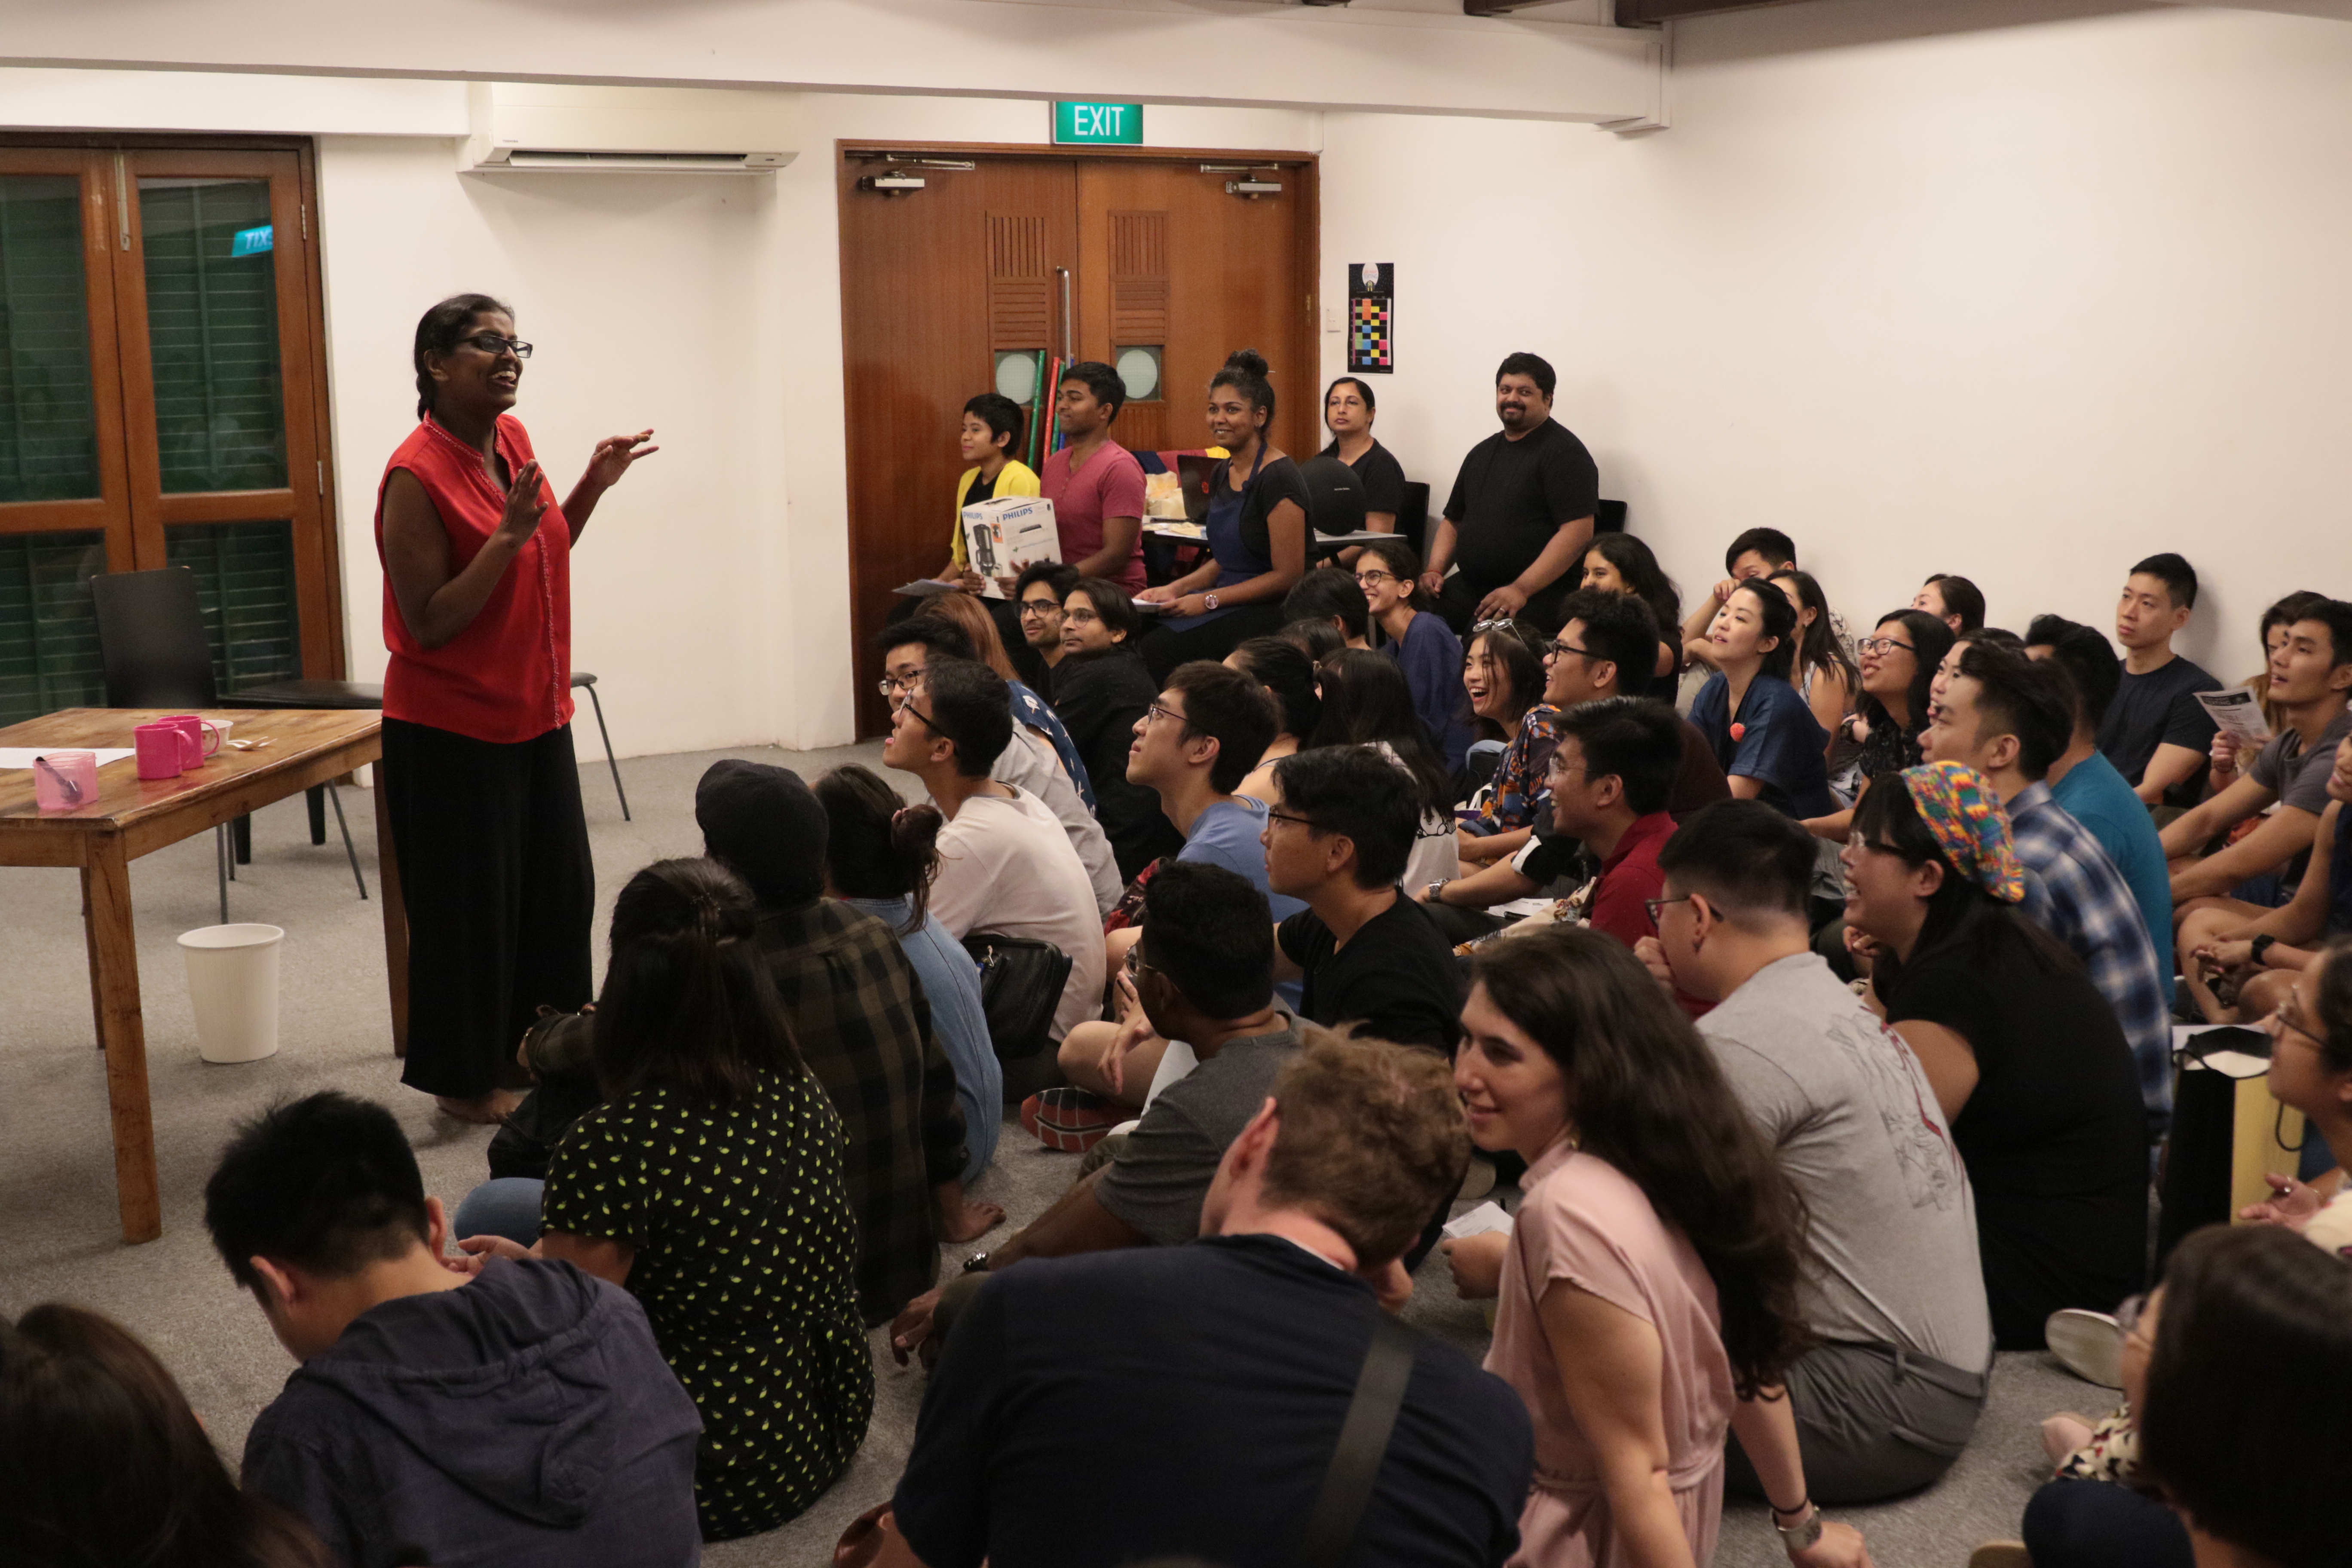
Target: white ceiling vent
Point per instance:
(522, 128)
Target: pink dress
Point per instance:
(1584, 1222)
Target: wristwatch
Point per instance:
(976, 1264)
(1799, 1538)
(1210, 599)
(2261, 944)
(1436, 892)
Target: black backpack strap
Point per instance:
(1363, 1442)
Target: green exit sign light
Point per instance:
(1098, 124)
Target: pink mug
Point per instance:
(161, 749)
(195, 732)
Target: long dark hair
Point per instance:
(439, 330)
(1288, 674)
(101, 1461)
(688, 1003)
(1652, 1101)
(1818, 645)
(878, 847)
(1649, 583)
(1366, 699)
(1930, 640)
(1779, 618)
(1520, 666)
(1962, 918)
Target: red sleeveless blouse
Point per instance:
(507, 677)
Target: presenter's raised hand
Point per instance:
(613, 455)
(526, 504)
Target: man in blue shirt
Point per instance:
(2010, 718)
(2090, 789)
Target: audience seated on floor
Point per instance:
(1206, 980)
(1621, 563)
(1038, 593)
(1898, 662)
(1502, 782)
(1183, 1401)
(1338, 837)
(1760, 729)
(2255, 959)
(864, 1028)
(2087, 787)
(881, 859)
(1287, 675)
(1331, 595)
(1005, 866)
(2155, 731)
(1823, 673)
(1193, 748)
(2029, 1066)
(1754, 552)
(101, 1461)
(1030, 711)
(2008, 718)
(1100, 688)
(1953, 600)
(524, 1412)
(1027, 762)
(1650, 1298)
(1888, 1392)
(2311, 675)
(1366, 703)
(1424, 648)
(1514, 531)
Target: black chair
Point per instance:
(151, 648)
(581, 678)
(1609, 517)
(1412, 516)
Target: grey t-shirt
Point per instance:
(1157, 1182)
(2297, 775)
(1861, 1134)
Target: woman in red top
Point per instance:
(479, 775)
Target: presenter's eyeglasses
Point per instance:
(492, 344)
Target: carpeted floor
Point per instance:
(57, 1227)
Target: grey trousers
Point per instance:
(1873, 1421)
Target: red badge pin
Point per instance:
(1739, 731)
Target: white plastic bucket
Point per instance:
(232, 983)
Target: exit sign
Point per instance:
(1098, 124)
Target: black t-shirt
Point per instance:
(2054, 1135)
(1379, 473)
(1511, 497)
(1396, 976)
(1099, 697)
(2159, 708)
(1277, 481)
(1201, 1425)
(982, 487)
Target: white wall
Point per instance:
(2020, 302)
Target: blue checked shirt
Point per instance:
(2074, 891)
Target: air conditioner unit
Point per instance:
(522, 128)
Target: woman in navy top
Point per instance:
(1389, 571)
(1765, 735)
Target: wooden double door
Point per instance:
(1148, 263)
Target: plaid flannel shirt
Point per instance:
(2074, 891)
(864, 1030)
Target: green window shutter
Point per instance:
(48, 423)
(48, 630)
(245, 585)
(212, 334)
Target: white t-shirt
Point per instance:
(1436, 848)
(1007, 867)
(1029, 764)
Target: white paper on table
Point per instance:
(22, 756)
(1488, 1215)
(2237, 710)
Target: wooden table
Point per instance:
(133, 816)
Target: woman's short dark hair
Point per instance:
(876, 846)
(1367, 701)
(1112, 606)
(439, 332)
(1961, 599)
(1520, 665)
(1003, 418)
(101, 1461)
(1364, 390)
(1403, 562)
(1648, 581)
(1780, 621)
(1930, 640)
(1535, 367)
(1099, 379)
(1652, 1101)
(1285, 671)
(972, 706)
(1818, 645)
(688, 1003)
(2246, 1425)
(1245, 371)
(1207, 930)
(1329, 593)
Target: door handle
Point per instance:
(1069, 342)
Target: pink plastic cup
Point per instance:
(65, 780)
(203, 737)
(161, 749)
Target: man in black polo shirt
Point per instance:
(1185, 1402)
(1338, 837)
(1521, 512)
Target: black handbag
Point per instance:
(1021, 982)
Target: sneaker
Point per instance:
(2088, 1344)
(1070, 1119)
(2001, 1555)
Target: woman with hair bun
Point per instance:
(1257, 532)
(479, 780)
(880, 856)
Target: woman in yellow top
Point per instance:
(991, 434)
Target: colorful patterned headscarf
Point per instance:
(1961, 810)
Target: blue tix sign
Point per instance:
(1098, 124)
(252, 241)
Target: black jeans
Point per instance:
(495, 869)
(2074, 1523)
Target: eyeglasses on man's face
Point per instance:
(1558, 647)
(904, 703)
(890, 686)
(1658, 905)
(1039, 608)
(493, 343)
(1162, 711)
(1307, 823)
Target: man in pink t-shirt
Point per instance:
(1096, 484)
